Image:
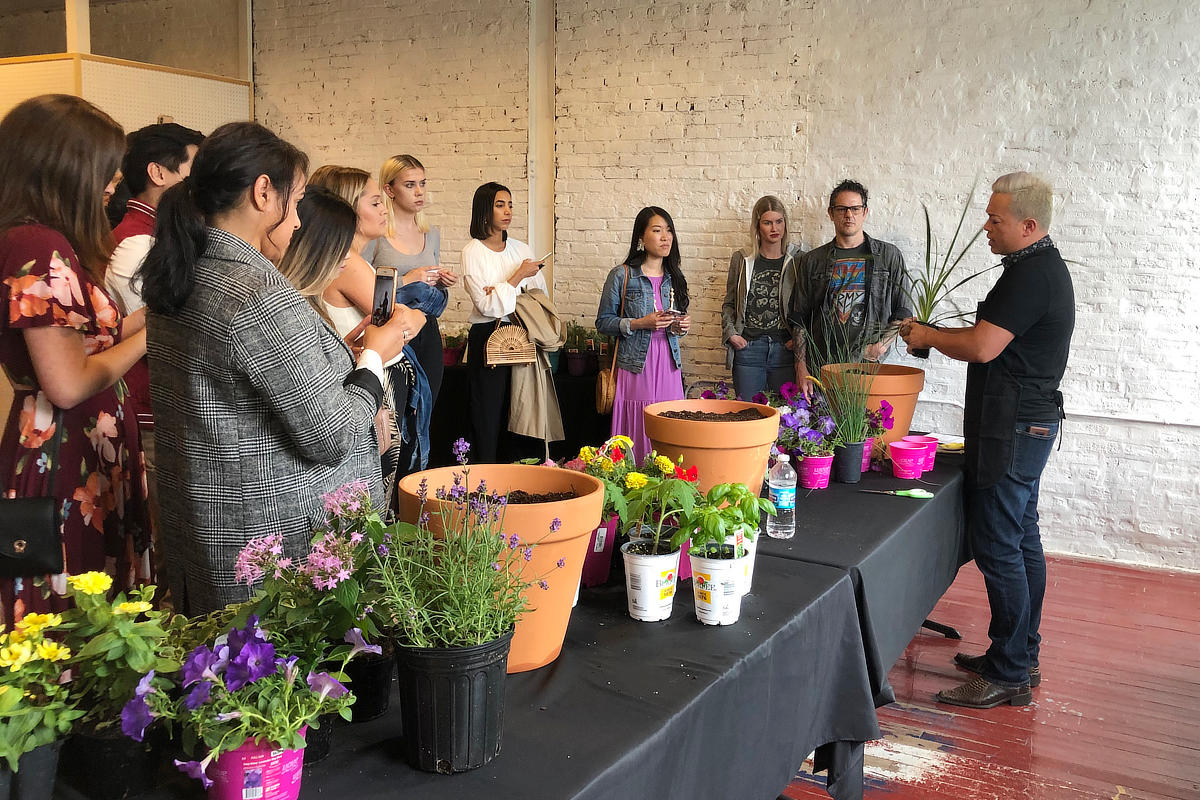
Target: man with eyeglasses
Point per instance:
(847, 290)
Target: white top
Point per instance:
(122, 267)
(344, 320)
(484, 268)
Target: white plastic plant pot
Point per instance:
(751, 548)
(650, 584)
(716, 585)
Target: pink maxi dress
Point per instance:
(658, 381)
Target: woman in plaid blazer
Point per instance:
(258, 409)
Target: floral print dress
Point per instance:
(103, 511)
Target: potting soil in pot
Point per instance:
(743, 415)
(518, 497)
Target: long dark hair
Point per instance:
(58, 154)
(635, 257)
(227, 164)
(311, 262)
(481, 210)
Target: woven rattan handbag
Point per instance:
(509, 344)
(606, 381)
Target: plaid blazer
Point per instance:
(252, 421)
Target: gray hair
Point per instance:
(1032, 196)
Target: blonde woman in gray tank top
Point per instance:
(413, 247)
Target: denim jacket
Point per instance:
(639, 301)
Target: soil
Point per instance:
(519, 497)
(745, 415)
(645, 547)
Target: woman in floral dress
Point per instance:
(65, 346)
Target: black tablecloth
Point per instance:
(658, 710)
(901, 553)
(576, 397)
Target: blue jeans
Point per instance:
(1002, 524)
(764, 362)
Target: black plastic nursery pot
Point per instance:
(35, 775)
(847, 462)
(452, 704)
(319, 741)
(371, 681)
(109, 767)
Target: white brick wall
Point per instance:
(702, 107)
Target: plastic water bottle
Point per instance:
(781, 490)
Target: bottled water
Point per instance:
(781, 490)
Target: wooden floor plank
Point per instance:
(1117, 716)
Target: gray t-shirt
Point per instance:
(381, 253)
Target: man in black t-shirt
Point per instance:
(1017, 351)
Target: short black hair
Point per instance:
(849, 186)
(165, 144)
(481, 209)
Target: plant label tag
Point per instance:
(601, 537)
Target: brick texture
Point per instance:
(701, 107)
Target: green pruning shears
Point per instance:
(920, 494)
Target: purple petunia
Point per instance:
(195, 769)
(354, 637)
(135, 717)
(255, 660)
(326, 685)
(760, 398)
(203, 663)
(198, 696)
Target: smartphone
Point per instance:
(385, 295)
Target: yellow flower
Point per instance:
(14, 637)
(587, 454)
(635, 480)
(32, 623)
(16, 656)
(605, 463)
(91, 582)
(139, 607)
(665, 465)
(53, 651)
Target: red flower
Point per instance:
(692, 474)
(679, 473)
(617, 455)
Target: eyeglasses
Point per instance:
(847, 209)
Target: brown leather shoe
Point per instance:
(982, 693)
(975, 664)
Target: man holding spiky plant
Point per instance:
(847, 289)
(1017, 353)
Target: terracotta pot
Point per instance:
(723, 452)
(899, 385)
(539, 633)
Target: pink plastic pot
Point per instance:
(868, 445)
(931, 445)
(907, 459)
(259, 771)
(814, 471)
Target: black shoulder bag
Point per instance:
(30, 529)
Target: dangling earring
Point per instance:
(640, 247)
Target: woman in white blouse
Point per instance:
(496, 269)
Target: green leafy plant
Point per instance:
(36, 707)
(462, 586)
(725, 510)
(660, 496)
(114, 645)
(455, 337)
(937, 281)
(234, 688)
(847, 382)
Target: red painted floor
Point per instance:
(1117, 714)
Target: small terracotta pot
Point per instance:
(723, 452)
(899, 385)
(539, 633)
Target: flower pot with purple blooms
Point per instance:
(868, 446)
(814, 471)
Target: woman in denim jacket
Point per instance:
(648, 327)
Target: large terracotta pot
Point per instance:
(723, 452)
(539, 633)
(899, 385)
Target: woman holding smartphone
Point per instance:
(496, 268)
(413, 247)
(352, 296)
(258, 407)
(754, 315)
(644, 307)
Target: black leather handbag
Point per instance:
(30, 530)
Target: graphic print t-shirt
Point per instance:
(845, 312)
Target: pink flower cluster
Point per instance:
(260, 556)
(349, 499)
(330, 561)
